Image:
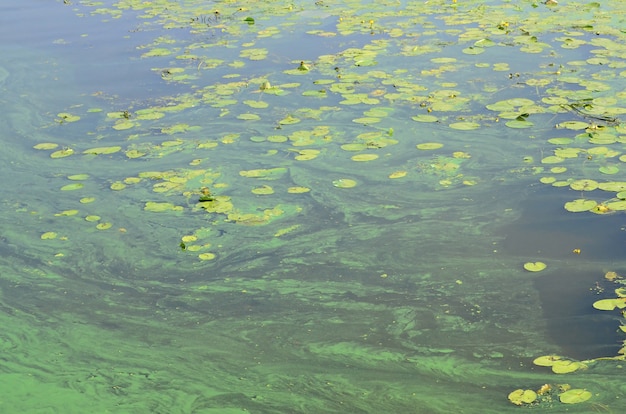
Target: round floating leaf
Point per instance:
(87, 200)
(574, 396)
(189, 238)
(289, 120)
(344, 183)
(46, 146)
(552, 159)
(67, 213)
(573, 125)
(616, 186)
(609, 169)
(616, 205)
(580, 205)
(565, 366)
(546, 360)
(92, 218)
(610, 304)
(464, 126)
(534, 266)
(117, 186)
(473, 50)
(72, 187)
(364, 157)
(133, 153)
(519, 124)
(429, 146)
(584, 185)
(66, 117)
(102, 150)
(353, 147)
(263, 190)
(78, 177)
(425, 118)
(366, 120)
(123, 125)
(49, 235)
(397, 174)
(66, 152)
(104, 226)
(249, 117)
(298, 190)
(206, 256)
(560, 141)
(519, 397)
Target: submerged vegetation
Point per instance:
(298, 210)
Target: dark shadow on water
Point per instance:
(580, 330)
(546, 231)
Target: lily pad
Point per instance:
(610, 304)
(464, 126)
(429, 146)
(344, 183)
(534, 266)
(520, 397)
(574, 396)
(580, 205)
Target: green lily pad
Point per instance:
(584, 185)
(102, 150)
(574, 396)
(610, 304)
(535, 266)
(429, 146)
(580, 205)
(565, 366)
(72, 187)
(465, 126)
(344, 183)
(609, 169)
(520, 397)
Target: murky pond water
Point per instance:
(356, 207)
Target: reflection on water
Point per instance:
(290, 290)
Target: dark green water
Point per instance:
(366, 219)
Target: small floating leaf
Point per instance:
(534, 266)
(566, 366)
(429, 146)
(364, 157)
(49, 235)
(574, 396)
(580, 205)
(397, 174)
(72, 187)
(610, 304)
(519, 397)
(46, 146)
(546, 360)
(102, 150)
(104, 226)
(344, 183)
(263, 190)
(206, 256)
(464, 126)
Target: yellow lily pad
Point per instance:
(534, 266)
(610, 304)
(344, 183)
(49, 235)
(520, 397)
(429, 146)
(574, 396)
